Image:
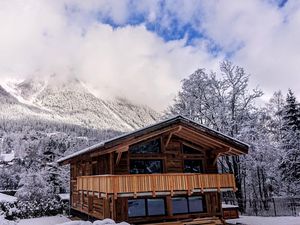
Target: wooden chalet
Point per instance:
(164, 172)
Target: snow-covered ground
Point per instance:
(7, 198)
(258, 220)
(50, 220)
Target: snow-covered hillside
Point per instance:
(41, 110)
(67, 100)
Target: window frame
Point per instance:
(189, 159)
(145, 142)
(145, 160)
(147, 207)
(188, 205)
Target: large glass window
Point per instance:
(196, 204)
(156, 207)
(152, 146)
(146, 207)
(193, 204)
(180, 205)
(145, 166)
(136, 208)
(193, 166)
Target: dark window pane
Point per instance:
(156, 207)
(137, 166)
(147, 147)
(152, 166)
(193, 166)
(196, 204)
(179, 205)
(190, 150)
(145, 166)
(136, 208)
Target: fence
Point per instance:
(277, 206)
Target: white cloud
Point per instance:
(53, 36)
(128, 61)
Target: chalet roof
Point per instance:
(238, 146)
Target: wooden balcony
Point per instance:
(155, 184)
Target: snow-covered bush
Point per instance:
(29, 209)
(97, 222)
(33, 187)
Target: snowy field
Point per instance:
(51, 220)
(257, 220)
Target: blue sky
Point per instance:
(142, 49)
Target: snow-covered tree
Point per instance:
(290, 162)
(33, 187)
(221, 102)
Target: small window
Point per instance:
(145, 166)
(193, 166)
(189, 150)
(156, 207)
(136, 208)
(152, 146)
(196, 204)
(179, 205)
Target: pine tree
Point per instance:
(290, 162)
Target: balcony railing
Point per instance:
(155, 184)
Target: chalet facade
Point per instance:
(167, 171)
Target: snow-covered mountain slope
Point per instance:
(68, 101)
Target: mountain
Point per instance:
(38, 110)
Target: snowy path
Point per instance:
(257, 220)
(51, 220)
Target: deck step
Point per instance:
(198, 221)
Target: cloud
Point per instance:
(142, 49)
(47, 37)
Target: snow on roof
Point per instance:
(7, 157)
(154, 126)
(7, 198)
(65, 196)
(226, 206)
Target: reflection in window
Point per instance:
(193, 166)
(136, 208)
(152, 146)
(156, 207)
(146, 207)
(179, 205)
(145, 166)
(195, 204)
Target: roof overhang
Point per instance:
(182, 127)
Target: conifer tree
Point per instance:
(290, 162)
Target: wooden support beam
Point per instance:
(171, 134)
(133, 141)
(118, 158)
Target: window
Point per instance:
(194, 204)
(193, 166)
(180, 205)
(136, 208)
(189, 150)
(156, 207)
(146, 207)
(145, 166)
(152, 146)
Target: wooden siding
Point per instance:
(141, 183)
